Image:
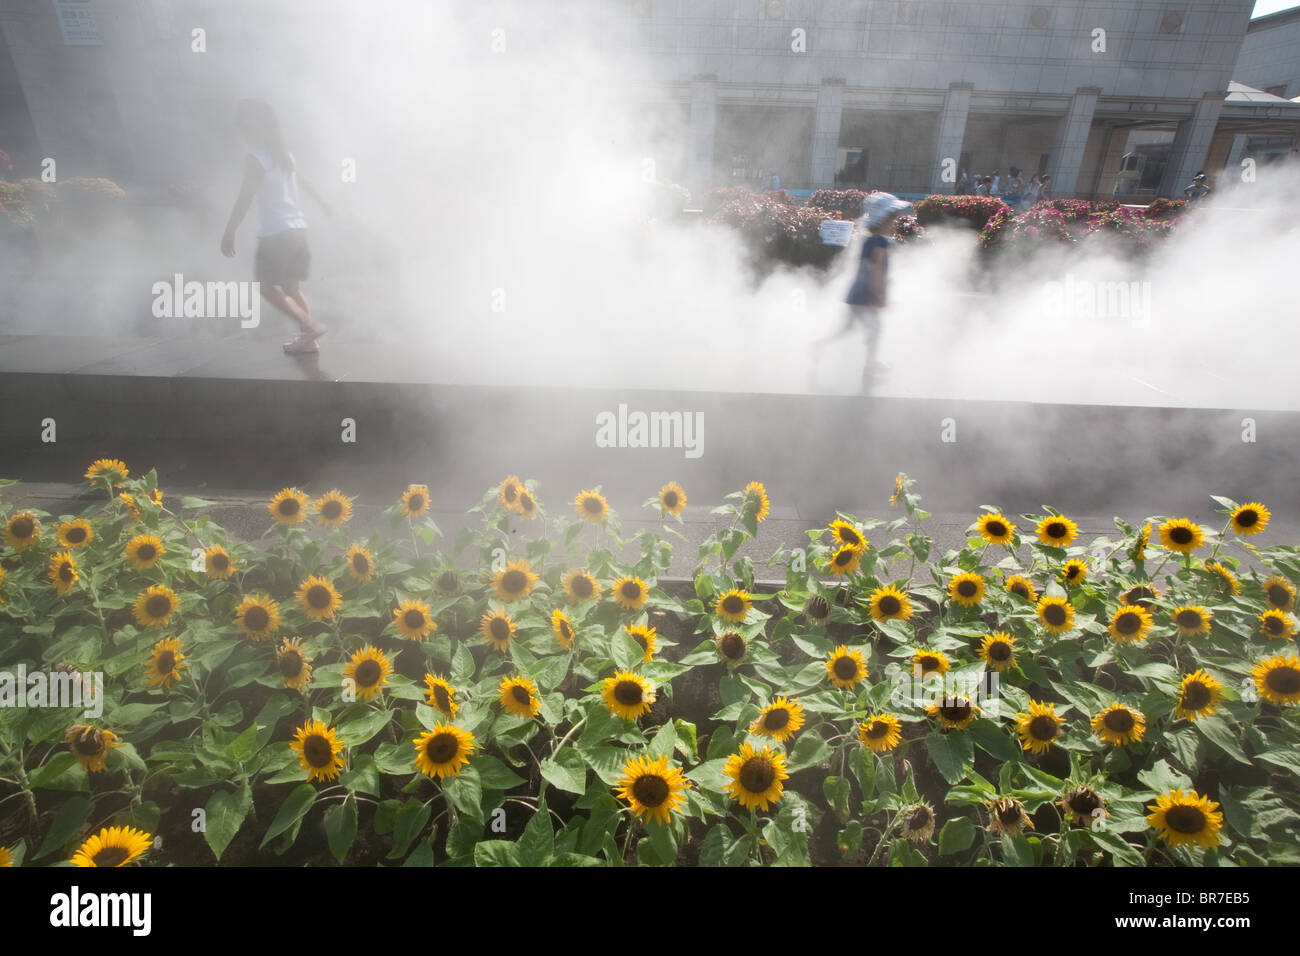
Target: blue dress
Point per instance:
(860, 292)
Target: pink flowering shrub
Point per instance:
(975, 210)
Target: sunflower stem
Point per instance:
(884, 837)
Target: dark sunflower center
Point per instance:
(360, 564)
(849, 536)
(256, 618)
(368, 672)
(1134, 595)
(1073, 571)
(441, 698)
(627, 692)
(1182, 819)
(1188, 619)
(514, 581)
(146, 552)
(75, 535)
(65, 572)
(1128, 623)
(1008, 813)
(166, 662)
(1283, 680)
(631, 590)
(158, 605)
(110, 856)
(757, 775)
(966, 588)
(843, 557)
(846, 668)
(1180, 535)
(317, 750)
(413, 618)
(290, 664)
(1020, 588)
(818, 606)
(499, 628)
(1056, 530)
(733, 646)
(511, 492)
(1247, 518)
(918, 819)
(1119, 721)
(928, 663)
(1043, 727)
(89, 744)
(640, 639)
(996, 528)
(878, 729)
(1054, 614)
(566, 632)
(1083, 802)
(581, 586)
(890, 604)
(1195, 696)
(520, 694)
(1274, 625)
(592, 506)
(442, 747)
(220, 562)
(289, 506)
(1278, 596)
(22, 527)
(650, 790)
(525, 501)
(670, 499)
(956, 712)
(448, 581)
(332, 509)
(732, 604)
(777, 719)
(1000, 651)
(415, 502)
(318, 596)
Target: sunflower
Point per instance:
(918, 823)
(129, 504)
(953, 712)
(630, 593)
(519, 696)
(1056, 614)
(1143, 595)
(881, 732)
(562, 628)
(74, 534)
(1139, 550)
(591, 506)
(1074, 571)
(514, 581)
(91, 746)
(258, 617)
(63, 571)
(318, 750)
(755, 501)
(110, 470)
(412, 621)
(732, 646)
(818, 609)
(369, 669)
(1277, 624)
(1181, 535)
(22, 531)
(628, 695)
(844, 561)
(998, 650)
(415, 501)
(6, 858)
(1057, 531)
(888, 603)
(448, 584)
(927, 662)
(113, 846)
(155, 606)
(293, 664)
(217, 563)
(1278, 680)
(527, 504)
(995, 529)
(165, 663)
(756, 776)
(288, 506)
(967, 588)
(1192, 620)
(318, 598)
(780, 719)
(1227, 580)
(1280, 593)
(1130, 624)
(1183, 819)
(847, 536)
(1022, 586)
(1119, 725)
(1007, 815)
(508, 492)
(441, 696)
(1249, 519)
(1080, 805)
(653, 788)
(333, 508)
(733, 606)
(846, 667)
(898, 490)
(1038, 728)
(580, 586)
(442, 751)
(1198, 697)
(143, 551)
(646, 637)
(498, 629)
(672, 499)
(361, 564)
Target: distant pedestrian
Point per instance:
(995, 189)
(963, 184)
(982, 189)
(1035, 189)
(774, 182)
(1045, 188)
(1198, 189)
(1014, 190)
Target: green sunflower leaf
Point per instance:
(224, 815)
(294, 808)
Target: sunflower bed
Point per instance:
(533, 693)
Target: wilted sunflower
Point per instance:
(1022, 586)
(996, 529)
(155, 606)
(755, 501)
(672, 499)
(519, 696)
(318, 750)
(109, 470)
(113, 846)
(1226, 579)
(562, 628)
(318, 598)
(74, 534)
(129, 504)
(258, 617)
(448, 584)
(591, 506)
(288, 507)
(1183, 819)
(846, 667)
(415, 501)
(441, 696)
(926, 662)
(756, 776)
(294, 665)
(333, 508)
(412, 620)
(361, 564)
(22, 531)
(898, 490)
(888, 603)
(1130, 624)
(1056, 614)
(1278, 680)
(844, 561)
(143, 551)
(1280, 593)
(818, 609)
(1139, 550)
(91, 746)
(527, 504)
(1249, 519)
(1007, 815)
(165, 663)
(628, 695)
(781, 719)
(1181, 535)
(1074, 571)
(508, 492)
(1199, 696)
(217, 563)
(998, 650)
(847, 536)
(1080, 805)
(733, 606)
(918, 823)
(63, 571)
(499, 630)
(580, 586)
(1119, 725)
(1057, 531)
(1143, 595)
(442, 751)
(881, 732)
(653, 788)
(1277, 624)
(954, 712)
(369, 669)
(515, 581)
(1192, 620)
(732, 646)
(1038, 728)
(646, 637)
(630, 593)
(966, 589)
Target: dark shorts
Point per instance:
(283, 257)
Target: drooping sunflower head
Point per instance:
(527, 506)
(818, 609)
(918, 823)
(258, 617)
(628, 695)
(733, 606)
(108, 471)
(672, 499)
(1140, 542)
(1192, 620)
(74, 534)
(515, 581)
(562, 628)
(630, 593)
(1278, 680)
(995, 528)
(1249, 519)
(1280, 593)
(368, 670)
(1021, 586)
(165, 663)
(733, 647)
(1038, 728)
(954, 711)
(756, 776)
(129, 503)
(998, 650)
(288, 506)
(1277, 624)
(781, 719)
(91, 745)
(1056, 614)
(1057, 531)
(508, 492)
(1130, 624)
(333, 508)
(113, 846)
(926, 662)
(1007, 815)
(1143, 595)
(1074, 571)
(22, 531)
(415, 501)
(646, 637)
(293, 664)
(844, 561)
(361, 564)
(518, 696)
(498, 629)
(888, 603)
(1198, 697)
(63, 572)
(412, 620)
(155, 605)
(217, 563)
(443, 750)
(755, 501)
(448, 583)
(846, 667)
(1181, 535)
(144, 551)
(318, 749)
(1224, 578)
(847, 536)
(1082, 805)
(653, 788)
(440, 695)
(966, 589)
(319, 600)
(591, 506)
(1119, 725)
(580, 586)
(881, 732)
(1186, 819)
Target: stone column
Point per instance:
(704, 119)
(1235, 155)
(1192, 145)
(951, 131)
(1071, 140)
(826, 132)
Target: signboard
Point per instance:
(77, 21)
(836, 232)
